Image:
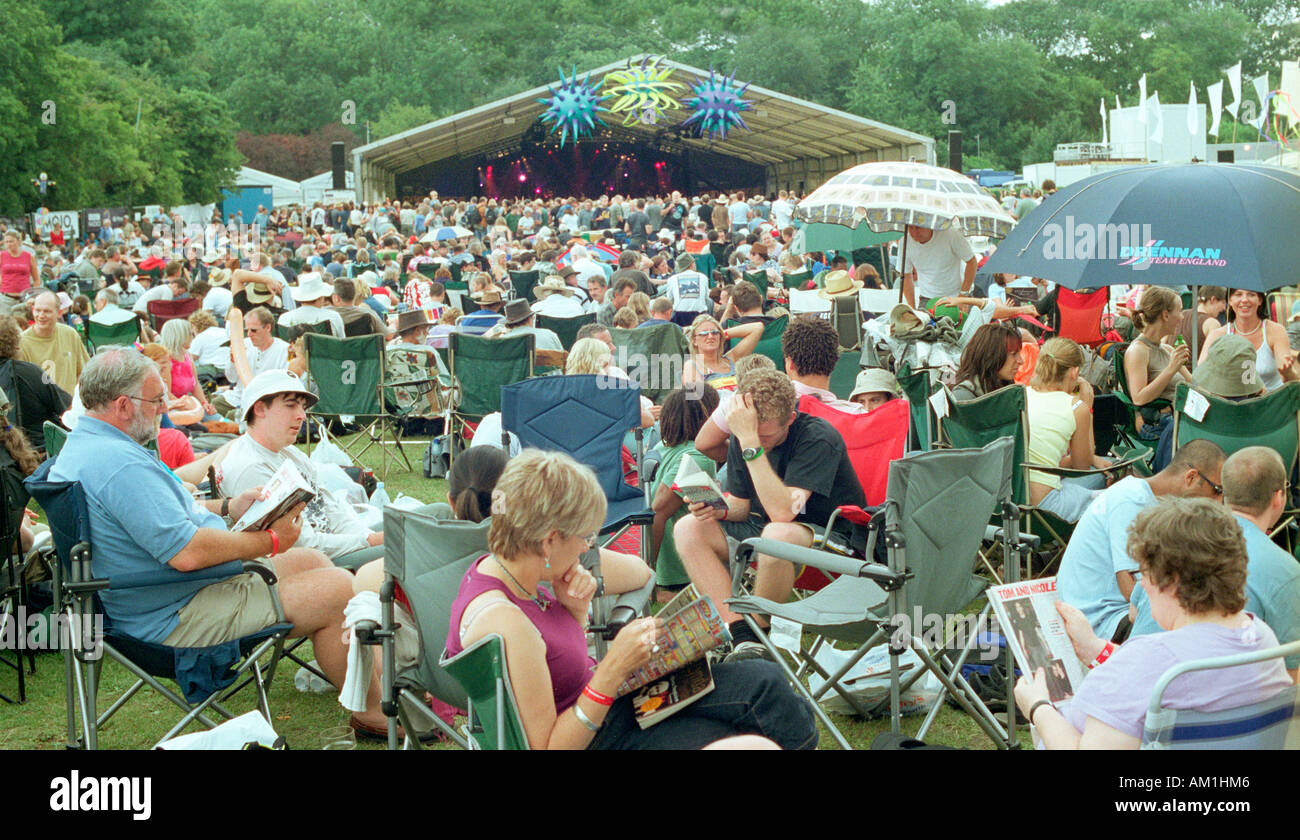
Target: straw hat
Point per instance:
(492, 295)
(550, 286)
(837, 284)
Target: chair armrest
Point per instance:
(993, 532)
(167, 575)
(369, 633)
(262, 570)
(1070, 471)
(824, 560)
(628, 607)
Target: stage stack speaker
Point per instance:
(954, 151)
(341, 178)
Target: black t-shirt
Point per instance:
(241, 302)
(637, 222)
(673, 217)
(812, 457)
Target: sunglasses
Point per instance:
(1217, 488)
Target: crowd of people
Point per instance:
(711, 269)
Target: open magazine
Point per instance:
(1034, 630)
(285, 489)
(664, 698)
(695, 485)
(692, 627)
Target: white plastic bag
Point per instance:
(332, 478)
(868, 681)
(328, 452)
(231, 735)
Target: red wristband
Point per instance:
(1103, 654)
(596, 697)
(275, 543)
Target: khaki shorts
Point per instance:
(223, 611)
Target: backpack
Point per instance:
(436, 462)
(1099, 372)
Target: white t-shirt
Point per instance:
(208, 349)
(558, 306)
(275, 357)
(163, 291)
(217, 300)
(940, 264)
(782, 213)
(689, 292)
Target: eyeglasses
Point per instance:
(158, 401)
(1217, 488)
(708, 334)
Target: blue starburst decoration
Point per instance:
(717, 104)
(573, 108)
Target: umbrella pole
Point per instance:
(902, 268)
(1196, 328)
(884, 264)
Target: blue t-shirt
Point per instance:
(1272, 589)
(140, 518)
(1098, 550)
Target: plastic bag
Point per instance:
(328, 452)
(236, 734)
(868, 681)
(332, 478)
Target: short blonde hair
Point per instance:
(588, 355)
(1055, 360)
(625, 318)
(540, 492)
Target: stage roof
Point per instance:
(783, 129)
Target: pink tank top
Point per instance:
(566, 643)
(15, 272)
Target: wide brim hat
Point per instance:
(516, 311)
(271, 382)
(411, 319)
(259, 293)
(486, 296)
(1229, 369)
(837, 284)
(311, 286)
(874, 380)
(219, 277)
(551, 285)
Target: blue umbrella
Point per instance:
(1203, 224)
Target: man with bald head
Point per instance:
(54, 347)
(1255, 487)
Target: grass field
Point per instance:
(39, 723)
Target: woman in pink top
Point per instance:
(176, 337)
(18, 271)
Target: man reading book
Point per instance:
(275, 407)
(142, 519)
(786, 473)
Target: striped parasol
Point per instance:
(889, 196)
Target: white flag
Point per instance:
(1193, 117)
(1142, 99)
(1157, 121)
(1261, 92)
(1216, 106)
(1291, 87)
(1234, 84)
(1103, 121)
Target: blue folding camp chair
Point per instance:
(204, 675)
(587, 417)
(1264, 725)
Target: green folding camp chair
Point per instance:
(705, 264)
(918, 389)
(797, 280)
(479, 367)
(770, 344)
(494, 722)
(935, 516)
(846, 315)
(845, 374)
(124, 334)
(428, 269)
(653, 357)
(1272, 420)
(566, 328)
(55, 436)
(759, 279)
(287, 334)
(523, 283)
(348, 374)
(1002, 414)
